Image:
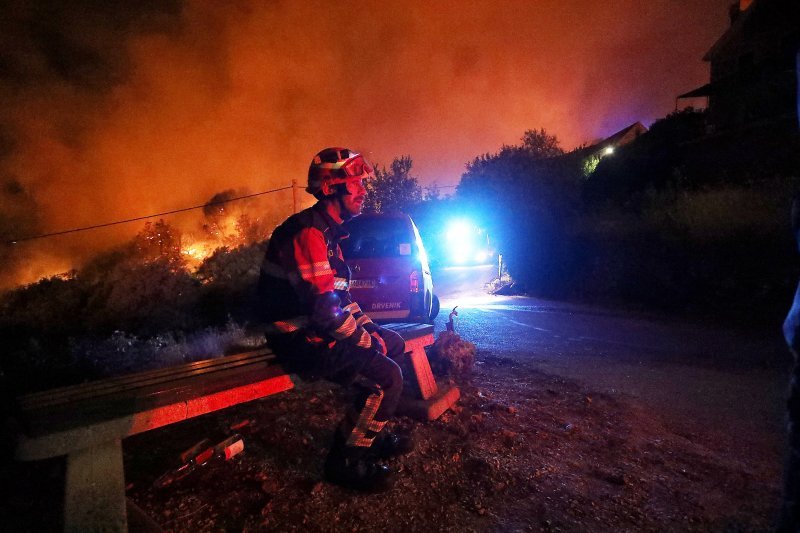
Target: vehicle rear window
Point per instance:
(377, 237)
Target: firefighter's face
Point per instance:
(353, 201)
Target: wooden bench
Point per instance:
(87, 422)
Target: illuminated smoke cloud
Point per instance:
(112, 110)
(217, 205)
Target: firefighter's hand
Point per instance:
(379, 343)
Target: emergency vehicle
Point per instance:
(390, 273)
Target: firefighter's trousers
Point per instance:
(378, 377)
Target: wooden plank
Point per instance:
(94, 498)
(80, 394)
(221, 400)
(410, 331)
(100, 387)
(69, 393)
(50, 443)
(142, 375)
(87, 411)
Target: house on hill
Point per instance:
(592, 154)
(607, 145)
(621, 138)
(753, 81)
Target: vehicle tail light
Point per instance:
(414, 280)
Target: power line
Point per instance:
(126, 221)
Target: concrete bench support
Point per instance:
(94, 498)
(423, 399)
(87, 422)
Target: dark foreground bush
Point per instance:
(673, 221)
(121, 314)
(723, 252)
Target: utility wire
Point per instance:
(126, 221)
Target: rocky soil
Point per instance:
(522, 450)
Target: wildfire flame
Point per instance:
(196, 252)
(224, 230)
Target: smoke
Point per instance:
(112, 110)
(216, 205)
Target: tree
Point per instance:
(393, 189)
(536, 145)
(540, 145)
(160, 242)
(528, 196)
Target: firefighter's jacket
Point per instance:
(304, 282)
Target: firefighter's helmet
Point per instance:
(332, 166)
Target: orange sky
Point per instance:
(118, 113)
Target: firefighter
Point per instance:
(790, 511)
(789, 519)
(318, 331)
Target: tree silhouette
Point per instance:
(528, 196)
(539, 145)
(393, 189)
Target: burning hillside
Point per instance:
(113, 110)
(228, 220)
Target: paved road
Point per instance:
(696, 375)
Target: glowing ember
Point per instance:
(196, 252)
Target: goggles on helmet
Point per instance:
(333, 166)
(356, 167)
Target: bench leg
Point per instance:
(423, 399)
(95, 489)
(422, 376)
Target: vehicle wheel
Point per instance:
(434, 309)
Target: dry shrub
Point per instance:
(724, 212)
(123, 352)
(452, 355)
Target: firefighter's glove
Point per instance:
(327, 314)
(378, 343)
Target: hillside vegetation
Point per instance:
(675, 221)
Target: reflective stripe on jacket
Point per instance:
(304, 281)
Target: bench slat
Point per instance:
(410, 331)
(64, 393)
(65, 442)
(88, 410)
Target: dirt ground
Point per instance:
(522, 450)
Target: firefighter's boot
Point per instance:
(352, 467)
(388, 444)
